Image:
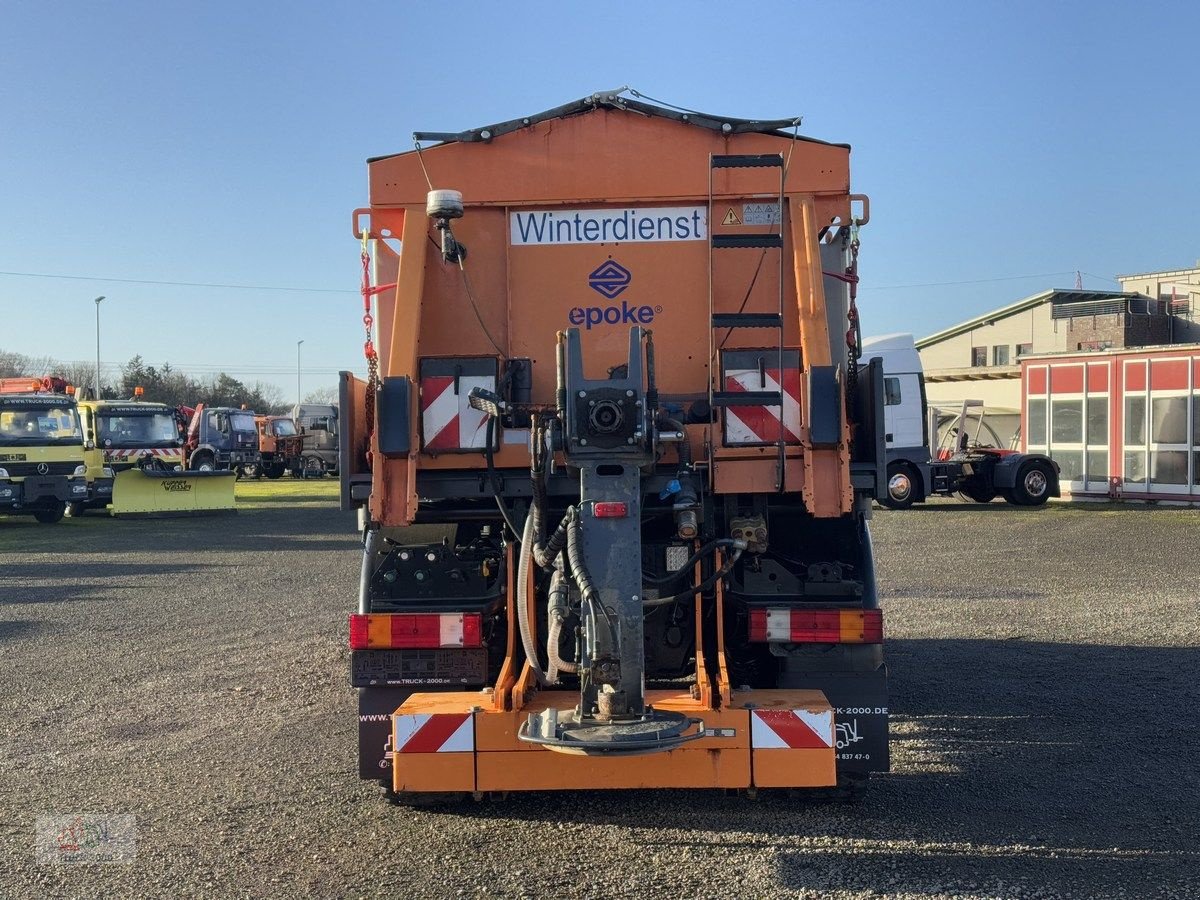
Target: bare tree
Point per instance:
(326, 396)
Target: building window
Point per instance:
(979, 356)
(1037, 423)
(891, 392)
(1066, 422)
(1000, 355)
(1135, 420)
(1168, 420)
(1024, 349)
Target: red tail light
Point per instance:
(610, 509)
(415, 631)
(816, 626)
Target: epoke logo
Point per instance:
(610, 278)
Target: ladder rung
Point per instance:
(748, 161)
(747, 320)
(732, 241)
(747, 398)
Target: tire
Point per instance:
(980, 493)
(1033, 483)
(313, 467)
(902, 488)
(275, 470)
(251, 470)
(50, 516)
(204, 462)
(76, 510)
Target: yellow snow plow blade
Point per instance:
(140, 493)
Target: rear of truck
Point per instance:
(615, 458)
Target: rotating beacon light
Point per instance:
(442, 206)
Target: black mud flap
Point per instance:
(375, 708)
(860, 717)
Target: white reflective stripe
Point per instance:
(439, 413)
(761, 735)
(472, 424)
(779, 625)
(407, 725)
(463, 740)
(451, 630)
(820, 723)
(737, 431)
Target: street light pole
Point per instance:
(98, 299)
(299, 399)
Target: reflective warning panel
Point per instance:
(448, 423)
(754, 371)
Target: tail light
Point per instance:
(405, 631)
(816, 626)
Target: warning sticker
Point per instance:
(731, 218)
(761, 213)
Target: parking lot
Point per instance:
(192, 673)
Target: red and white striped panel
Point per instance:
(763, 424)
(433, 733)
(791, 729)
(447, 420)
(164, 453)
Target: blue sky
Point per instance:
(226, 143)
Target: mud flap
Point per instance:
(860, 714)
(375, 708)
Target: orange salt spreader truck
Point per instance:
(615, 456)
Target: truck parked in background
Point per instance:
(42, 466)
(126, 434)
(220, 439)
(965, 462)
(318, 423)
(280, 445)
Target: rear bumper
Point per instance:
(450, 742)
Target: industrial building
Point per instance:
(980, 358)
(1121, 423)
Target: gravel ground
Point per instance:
(192, 673)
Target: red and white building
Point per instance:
(1121, 423)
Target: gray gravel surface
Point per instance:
(193, 673)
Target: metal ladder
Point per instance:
(766, 241)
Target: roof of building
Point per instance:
(1159, 273)
(1054, 295)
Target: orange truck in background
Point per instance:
(614, 460)
(280, 446)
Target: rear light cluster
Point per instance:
(415, 631)
(817, 626)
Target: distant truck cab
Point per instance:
(41, 448)
(318, 423)
(280, 444)
(963, 464)
(126, 434)
(221, 438)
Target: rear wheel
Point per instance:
(76, 509)
(1033, 483)
(980, 493)
(50, 516)
(313, 467)
(275, 470)
(901, 486)
(251, 470)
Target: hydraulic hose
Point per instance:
(527, 642)
(701, 587)
(493, 482)
(708, 548)
(557, 615)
